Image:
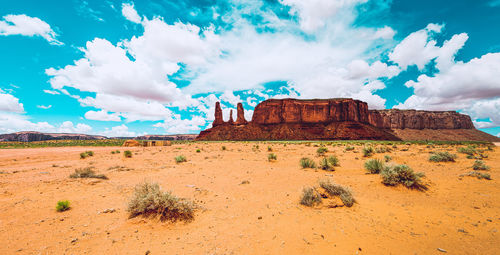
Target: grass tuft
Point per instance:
(272, 157)
(479, 165)
(441, 156)
(337, 190)
(180, 159)
(62, 205)
(374, 166)
(368, 151)
(87, 173)
(310, 197)
(127, 154)
(387, 158)
(321, 151)
(307, 163)
(402, 174)
(148, 200)
(479, 175)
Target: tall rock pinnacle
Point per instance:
(218, 115)
(231, 121)
(240, 117)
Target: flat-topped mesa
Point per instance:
(240, 117)
(275, 111)
(415, 119)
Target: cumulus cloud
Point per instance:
(52, 92)
(10, 103)
(69, 127)
(182, 126)
(129, 12)
(118, 131)
(419, 48)
(385, 33)
(102, 116)
(27, 26)
(45, 107)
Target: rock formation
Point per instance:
(30, 136)
(231, 121)
(340, 118)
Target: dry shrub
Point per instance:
(310, 197)
(87, 172)
(374, 166)
(149, 201)
(338, 190)
(307, 163)
(480, 165)
(441, 156)
(479, 175)
(402, 174)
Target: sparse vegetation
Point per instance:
(321, 151)
(149, 201)
(382, 149)
(469, 150)
(310, 197)
(223, 148)
(387, 158)
(127, 154)
(368, 151)
(349, 148)
(480, 165)
(337, 190)
(269, 148)
(374, 166)
(272, 157)
(479, 175)
(115, 152)
(87, 172)
(402, 174)
(441, 156)
(62, 205)
(90, 153)
(180, 159)
(307, 163)
(198, 150)
(83, 155)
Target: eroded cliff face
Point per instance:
(341, 118)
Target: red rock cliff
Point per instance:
(413, 119)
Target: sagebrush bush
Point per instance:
(374, 166)
(90, 153)
(328, 163)
(271, 157)
(87, 172)
(387, 158)
(337, 190)
(127, 154)
(321, 151)
(479, 175)
(180, 159)
(62, 205)
(307, 163)
(148, 200)
(480, 165)
(382, 149)
(310, 197)
(469, 150)
(402, 174)
(442, 156)
(349, 148)
(368, 151)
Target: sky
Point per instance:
(127, 68)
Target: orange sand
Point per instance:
(459, 215)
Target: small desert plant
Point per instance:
(387, 158)
(337, 190)
(307, 163)
(127, 154)
(325, 165)
(223, 148)
(479, 175)
(374, 166)
(272, 157)
(441, 156)
(62, 205)
(90, 153)
(479, 165)
(367, 151)
(269, 148)
(310, 197)
(149, 200)
(349, 148)
(469, 150)
(321, 151)
(87, 173)
(83, 155)
(333, 160)
(113, 152)
(198, 150)
(382, 149)
(180, 159)
(402, 174)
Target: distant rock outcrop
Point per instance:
(341, 118)
(31, 136)
(167, 137)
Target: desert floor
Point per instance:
(459, 215)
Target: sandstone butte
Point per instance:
(341, 119)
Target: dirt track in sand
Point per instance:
(459, 215)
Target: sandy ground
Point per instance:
(457, 215)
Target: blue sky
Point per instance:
(125, 68)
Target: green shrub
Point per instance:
(349, 148)
(62, 205)
(337, 190)
(321, 151)
(333, 160)
(325, 165)
(441, 156)
(113, 152)
(269, 148)
(180, 159)
(87, 173)
(479, 165)
(402, 174)
(387, 158)
(307, 163)
(469, 150)
(90, 153)
(310, 197)
(223, 148)
(198, 150)
(148, 200)
(374, 166)
(479, 175)
(127, 154)
(272, 157)
(83, 155)
(382, 149)
(368, 151)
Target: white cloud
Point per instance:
(68, 127)
(385, 33)
(11, 122)
(181, 126)
(102, 116)
(419, 48)
(52, 92)
(130, 13)
(27, 26)
(314, 14)
(118, 131)
(10, 103)
(44, 106)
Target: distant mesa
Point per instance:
(341, 119)
(32, 136)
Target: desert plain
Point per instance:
(245, 203)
